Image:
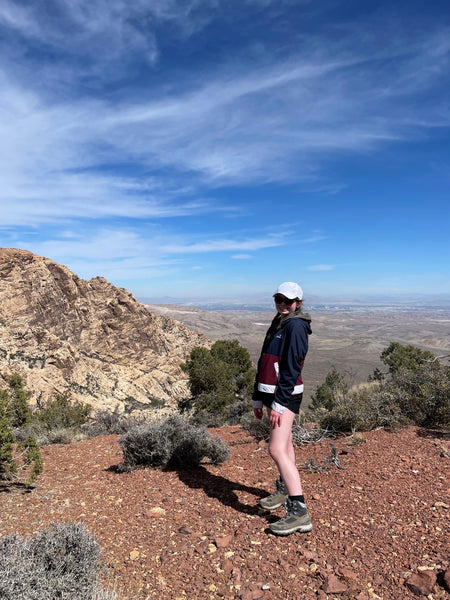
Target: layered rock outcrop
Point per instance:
(62, 333)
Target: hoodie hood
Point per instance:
(298, 314)
(278, 322)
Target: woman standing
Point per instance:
(279, 388)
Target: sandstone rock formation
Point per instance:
(62, 333)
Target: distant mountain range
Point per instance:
(396, 303)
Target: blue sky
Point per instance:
(211, 149)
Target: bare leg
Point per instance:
(282, 452)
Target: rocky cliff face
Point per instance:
(62, 333)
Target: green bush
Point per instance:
(59, 421)
(173, 441)
(417, 391)
(398, 357)
(20, 409)
(363, 408)
(18, 453)
(218, 378)
(327, 394)
(60, 562)
(423, 395)
(61, 412)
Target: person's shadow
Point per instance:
(218, 487)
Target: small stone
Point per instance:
(422, 583)
(236, 575)
(447, 579)
(155, 511)
(202, 547)
(134, 555)
(284, 564)
(348, 574)
(227, 566)
(378, 580)
(311, 556)
(333, 585)
(223, 542)
(185, 530)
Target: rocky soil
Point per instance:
(381, 521)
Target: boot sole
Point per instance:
(273, 507)
(300, 529)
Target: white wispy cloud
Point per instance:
(321, 268)
(87, 27)
(128, 254)
(273, 122)
(224, 245)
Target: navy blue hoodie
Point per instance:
(281, 361)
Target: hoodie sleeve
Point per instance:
(257, 402)
(294, 352)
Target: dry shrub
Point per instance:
(364, 407)
(106, 422)
(60, 562)
(258, 428)
(173, 441)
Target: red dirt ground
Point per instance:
(199, 533)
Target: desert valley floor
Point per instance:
(350, 341)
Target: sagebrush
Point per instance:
(62, 562)
(59, 421)
(106, 422)
(169, 442)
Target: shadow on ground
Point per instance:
(216, 486)
(7, 487)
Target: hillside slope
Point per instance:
(98, 342)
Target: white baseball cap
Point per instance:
(290, 289)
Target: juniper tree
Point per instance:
(17, 454)
(218, 378)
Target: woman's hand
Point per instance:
(258, 412)
(275, 419)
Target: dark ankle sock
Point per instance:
(299, 498)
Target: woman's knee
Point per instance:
(278, 451)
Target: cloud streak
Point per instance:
(128, 254)
(321, 268)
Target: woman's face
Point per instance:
(285, 306)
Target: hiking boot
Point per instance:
(278, 498)
(295, 519)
